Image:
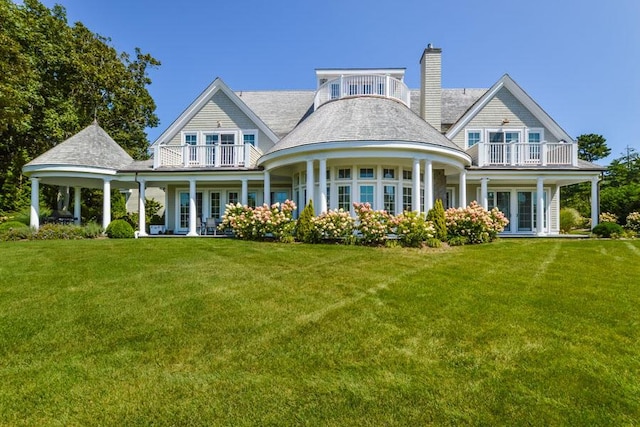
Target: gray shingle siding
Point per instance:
(503, 105)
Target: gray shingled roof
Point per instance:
(91, 147)
(363, 119)
(280, 110)
(455, 102)
(284, 110)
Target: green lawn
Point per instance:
(224, 332)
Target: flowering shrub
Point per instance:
(334, 225)
(475, 223)
(412, 228)
(259, 222)
(608, 217)
(633, 221)
(372, 225)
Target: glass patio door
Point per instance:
(502, 201)
(184, 209)
(525, 210)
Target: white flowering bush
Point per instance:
(262, 221)
(412, 228)
(372, 225)
(334, 225)
(474, 223)
(633, 222)
(607, 217)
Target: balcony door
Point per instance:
(500, 150)
(227, 149)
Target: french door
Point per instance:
(528, 211)
(183, 217)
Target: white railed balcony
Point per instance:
(363, 85)
(528, 154)
(210, 155)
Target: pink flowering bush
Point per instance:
(334, 225)
(474, 223)
(412, 228)
(262, 221)
(373, 226)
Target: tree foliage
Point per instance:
(592, 147)
(54, 80)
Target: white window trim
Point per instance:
(535, 130)
(183, 136)
(503, 130)
(466, 136)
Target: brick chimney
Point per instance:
(431, 86)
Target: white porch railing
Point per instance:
(210, 155)
(363, 85)
(528, 154)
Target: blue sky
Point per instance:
(580, 60)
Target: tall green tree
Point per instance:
(55, 78)
(592, 147)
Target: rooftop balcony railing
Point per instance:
(362, 85)
(528, 154)
(209, 155)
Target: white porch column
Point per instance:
(192, 208)
(34, 220)
(484, 193)
(310, 181)
(595, 201)
(142, 221)
(77, 204)
(322, 177)
(428, 186)
(244, 195)
(463, 188)
(415, 191)
(106, 203)
(267, 188)
(540, 208)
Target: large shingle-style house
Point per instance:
(361, 136)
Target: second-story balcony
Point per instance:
(362, 85)
(525, 154)
(206, 156)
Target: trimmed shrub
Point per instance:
(608, 229)
(569, 219)
(305, 230)
(120, 229)
(437, 217)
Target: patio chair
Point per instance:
(211, 224)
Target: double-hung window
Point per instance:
(473, 137)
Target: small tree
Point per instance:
(436, 216)
(305, 229)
